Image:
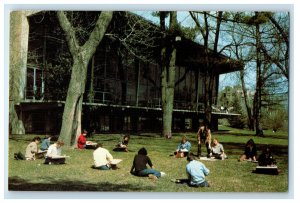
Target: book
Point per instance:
(115, 161)
(59, 157)
(91, 143)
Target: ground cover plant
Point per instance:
(77, 174)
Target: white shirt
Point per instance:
(53, 151)
(102, 157)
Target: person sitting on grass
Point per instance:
(53, 155)
(81, 141)
(123, 145)
(196, 172)
(250, 152)
(218, 150)
(32, 149)
(266, 158)
(183, 148)
(139, 166)
(46, 143)
(103, 159)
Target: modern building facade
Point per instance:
(123, 84)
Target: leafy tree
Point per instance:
(82, 47)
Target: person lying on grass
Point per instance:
(139, 166)
(217, 150)
(53, 155)
(103, 159)
(196, 172)
(250, 152)
(32, 149)
(183, 148)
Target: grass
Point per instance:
(77, 175)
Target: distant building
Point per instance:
(228, 94)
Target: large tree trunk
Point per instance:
(257, 96)
(71, 123)
(19, 33)
(168, 80)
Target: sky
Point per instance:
(153, 5)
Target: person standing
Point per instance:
(200, 139)
(208, 140)
(32, 149)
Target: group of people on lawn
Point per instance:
(195, 169)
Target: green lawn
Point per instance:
(77, 175)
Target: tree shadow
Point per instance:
(18, 184)
(229, 132)
(278, 150)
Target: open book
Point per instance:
(41, 151)
(115, 161)
(91, 143)
(59, 157)
(266, 167)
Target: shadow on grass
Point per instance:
(229, 132)
(18, 184)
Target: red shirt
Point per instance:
(81, 141)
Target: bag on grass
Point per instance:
(19, 156)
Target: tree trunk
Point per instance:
(248, 108)
(91, 94)
(168, 79)
(71, 123)
(257, 99)
(19, 33)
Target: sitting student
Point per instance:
(46, 143)
(218, 150)
(266, 163)
(250, 152)
(139, 166)
(123, 145)
(53, 155)
(81, 141)
(183, 148)
(266, 158)
(196, 172)
(32, 149)
(103, 159)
